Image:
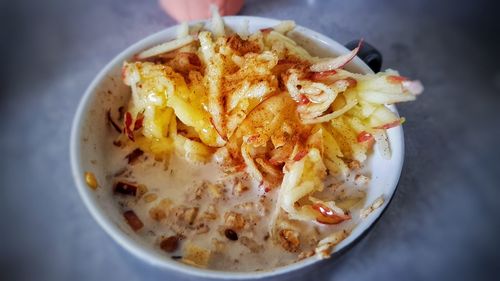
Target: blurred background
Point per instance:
(443, 223)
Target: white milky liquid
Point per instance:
(176, 183)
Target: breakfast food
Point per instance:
(242, 151)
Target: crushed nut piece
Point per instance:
(150, 197)
(375, 205)
(170, 244)
(305, 254)
(210, 213)
(289, 240)
(216, 191)
(239, 188)
(251, 222)
(133, 220)
(185, 215)
(325, 246)
(165, 203)
(202, 228)
(91, 180)
(218, 245)
(195, 255)
(247, 206)
(253, 246)
(354, 165)
(234, 220)
(251, 207)
(157, 213)
(190, 215)
(198, 192)
(161, 210)
(141, 190)
(361, 180)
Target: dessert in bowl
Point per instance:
(238, 148)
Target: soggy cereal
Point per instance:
(245, 152)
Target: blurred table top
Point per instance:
(443, 222)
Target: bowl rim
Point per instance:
(155, 259)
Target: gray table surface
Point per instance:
(443, 222)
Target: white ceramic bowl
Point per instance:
(90, 143)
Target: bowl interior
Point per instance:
(91, 141)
